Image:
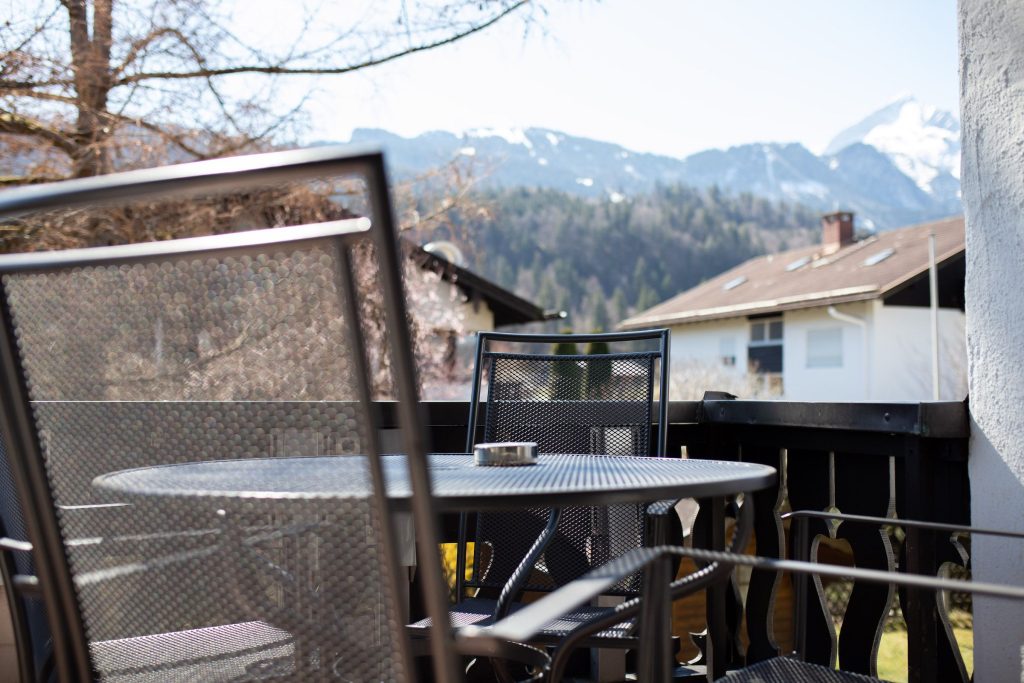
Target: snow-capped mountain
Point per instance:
(898, 166)
(532, 157)
(922, 141)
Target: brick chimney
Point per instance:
(836, 230)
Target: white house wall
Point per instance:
(702, 342)
(898, 357)
(902, 365)
(843, 383)
(695, 356)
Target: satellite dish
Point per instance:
(447, 251)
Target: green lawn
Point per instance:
(892, 653)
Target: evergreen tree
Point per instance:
(600, 322)
(573, 253)
(599, 371)
(647, 299)
(620, 308)
(567, 374)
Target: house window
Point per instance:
(727, 351)
(764, 353)
(825, 348)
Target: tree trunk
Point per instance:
(90, 55)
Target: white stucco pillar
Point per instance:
(992, 112)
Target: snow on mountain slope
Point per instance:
(899, 165)
(923, 142)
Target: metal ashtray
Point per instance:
(509, 454)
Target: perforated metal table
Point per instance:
(556, 481)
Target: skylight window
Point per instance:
(799, 263)
(879, 257)
(734, 283)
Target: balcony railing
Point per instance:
(907, 460)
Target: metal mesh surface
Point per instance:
(785, 670)
(581, 404)
(208, 357)
(456, 483)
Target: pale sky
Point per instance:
(665, 76)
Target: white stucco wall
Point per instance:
(702, 342)
(695, 357)
(843, 383)
(901, 369)
(898, 358)
(992, 119)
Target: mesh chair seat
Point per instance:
(234, 652)
(480, 611)
(785, 670)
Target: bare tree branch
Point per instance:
(14, 181)
(138, 46)
(35, 94)
(16, 124)
(7, 58)
(110, 84)
(7, 84)
(321, 71)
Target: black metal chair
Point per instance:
(249, 344)
(654, 607)
(598, 403)
(651, 609)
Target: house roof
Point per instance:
(809, 277)
(508, 307)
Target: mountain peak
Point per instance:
(513, 136)
(906, 112)
(923, 141)
(898, 166)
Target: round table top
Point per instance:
(555, 481)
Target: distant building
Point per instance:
(456, 303)
(842, 320)
(482, 304)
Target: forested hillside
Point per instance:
(603, 259)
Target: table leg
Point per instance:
(656, 622)
(294, 573)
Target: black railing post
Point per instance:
(919, 611)
(802, 551)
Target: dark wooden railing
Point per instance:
(880, 459)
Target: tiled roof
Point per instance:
(809, 277)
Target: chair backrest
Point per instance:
(248, 344)
(606, 399)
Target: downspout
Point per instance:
(863, 325)
(933, 288)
